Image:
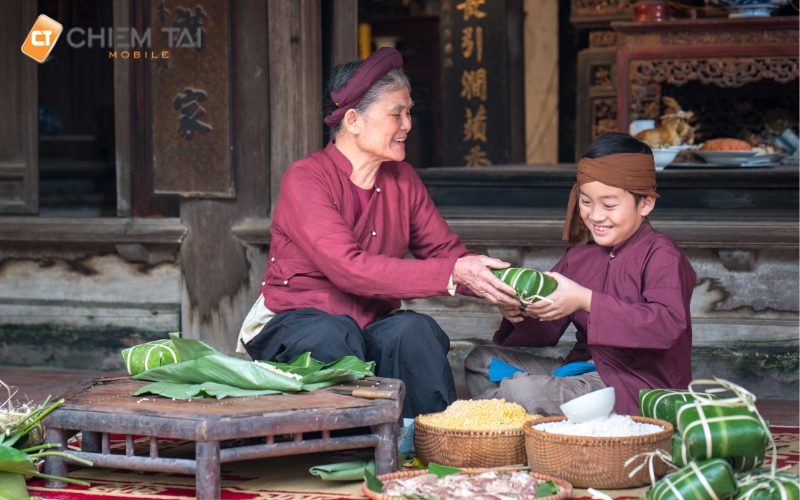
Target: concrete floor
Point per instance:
(35, 384)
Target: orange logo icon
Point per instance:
(41, 39)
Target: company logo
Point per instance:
(41, 39)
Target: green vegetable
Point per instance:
(531, 286)
(546, 489)
(15, 462)
(373, 483)
(206, 372)
(442, 470)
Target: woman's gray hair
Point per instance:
(390, 82)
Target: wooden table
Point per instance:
(102, 407)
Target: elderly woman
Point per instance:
(346, 217)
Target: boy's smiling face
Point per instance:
(610, 213)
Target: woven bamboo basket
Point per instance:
(596, 462)
(469, 448)
(565, 489)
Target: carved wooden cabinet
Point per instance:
(725, 53)
(624, 72)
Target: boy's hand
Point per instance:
(568, 298)
(511, 313)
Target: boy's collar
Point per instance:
(644, 228)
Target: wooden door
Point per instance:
(19, 175)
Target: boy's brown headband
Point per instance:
(370, 71)
(634, 172)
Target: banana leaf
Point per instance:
(761, 485)
(531, 286)
(151, 355)
(206, 372)
(664, 403)
(681, 457)
(710, 431)
(196, 391)
(706, 480)
(12, 486)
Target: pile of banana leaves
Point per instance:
(18, 452)
(205, 372)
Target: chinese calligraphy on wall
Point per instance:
(475, 97)
(191, 99)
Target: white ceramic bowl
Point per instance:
(747, 8)
(596, 405)
(664, 157)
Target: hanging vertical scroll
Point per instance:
(190, 98)
(482, 70)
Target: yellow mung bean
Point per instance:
(478, 414)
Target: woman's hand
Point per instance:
(473, 271)
(511, 313)
(568, 298)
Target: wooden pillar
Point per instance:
(295, 76)
(344, 39)
(122, 115)
(221, 275)
(19, 153)
(541, 81)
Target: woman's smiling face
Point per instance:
(610, 213)
(385, 125)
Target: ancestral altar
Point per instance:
(625, 72)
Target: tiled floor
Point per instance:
(35, 384)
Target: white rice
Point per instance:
(278, 370)
(614, 426)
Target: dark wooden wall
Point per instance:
(219, 284)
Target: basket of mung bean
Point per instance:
(473, 433)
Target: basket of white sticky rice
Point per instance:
(594, 454)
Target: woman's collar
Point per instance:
(340, 160)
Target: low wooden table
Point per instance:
(102, 407)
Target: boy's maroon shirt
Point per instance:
(323, 256)
(639, 331)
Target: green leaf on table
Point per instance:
(352, 363)
(197, 391)
(442, 470)
(226, 376)
(546, 489)
(12, 486)
(15, 461)
(373, 483)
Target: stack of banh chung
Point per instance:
(718, 446)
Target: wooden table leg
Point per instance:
(207, 478)
(386, 451)
(91, 442)
(55, 466)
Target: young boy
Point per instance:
(627, 293)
